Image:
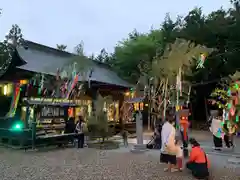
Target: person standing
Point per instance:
(184, 125)
(229, 131)
(216, 129)
(80, 132)
(168, 148)
(179, 154)
(125, 137)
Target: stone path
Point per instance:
(91, 164)
(205, 139)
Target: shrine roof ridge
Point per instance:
(40, 58)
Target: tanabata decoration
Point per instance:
(74, 81)
(73, 84)
(58, 75)
(40, 89)
(201, 61)
(15, 100)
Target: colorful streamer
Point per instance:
(73, 84)
(201, 61)
(15, 100)
(41, 84)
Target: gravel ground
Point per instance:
(90, 164)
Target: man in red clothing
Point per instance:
(198, 162)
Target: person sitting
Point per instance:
(198, 162)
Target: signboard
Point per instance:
(50, 100)
(57, 101)
(48, 112)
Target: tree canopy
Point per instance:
(217, 31)
(61, 47)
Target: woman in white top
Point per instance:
(216, 129)
(168, 149)
(79, 130)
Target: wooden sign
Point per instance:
(49, 112)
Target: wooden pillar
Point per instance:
(94, 94)
(27, 117)
(34, 123)
(121, 101)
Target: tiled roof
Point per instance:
(43, 59)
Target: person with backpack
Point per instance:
(198, 162)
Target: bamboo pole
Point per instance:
(177, 100)
(165, 100)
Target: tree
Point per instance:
(103, 56)
(61, 47)
(13, 39)
(98, 123)
(208, 30)
(133, 52)
(79, 49)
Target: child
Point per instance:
(179, 155)
(228, 136)
(125, 137)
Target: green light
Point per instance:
(17, 127)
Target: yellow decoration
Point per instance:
(22, 82)
(177, 108)
(127, 93)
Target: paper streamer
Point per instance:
(58, 75)
(41, 84)
(72, 86)
(15, 100)
(201, 61)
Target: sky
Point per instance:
(98, 23)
